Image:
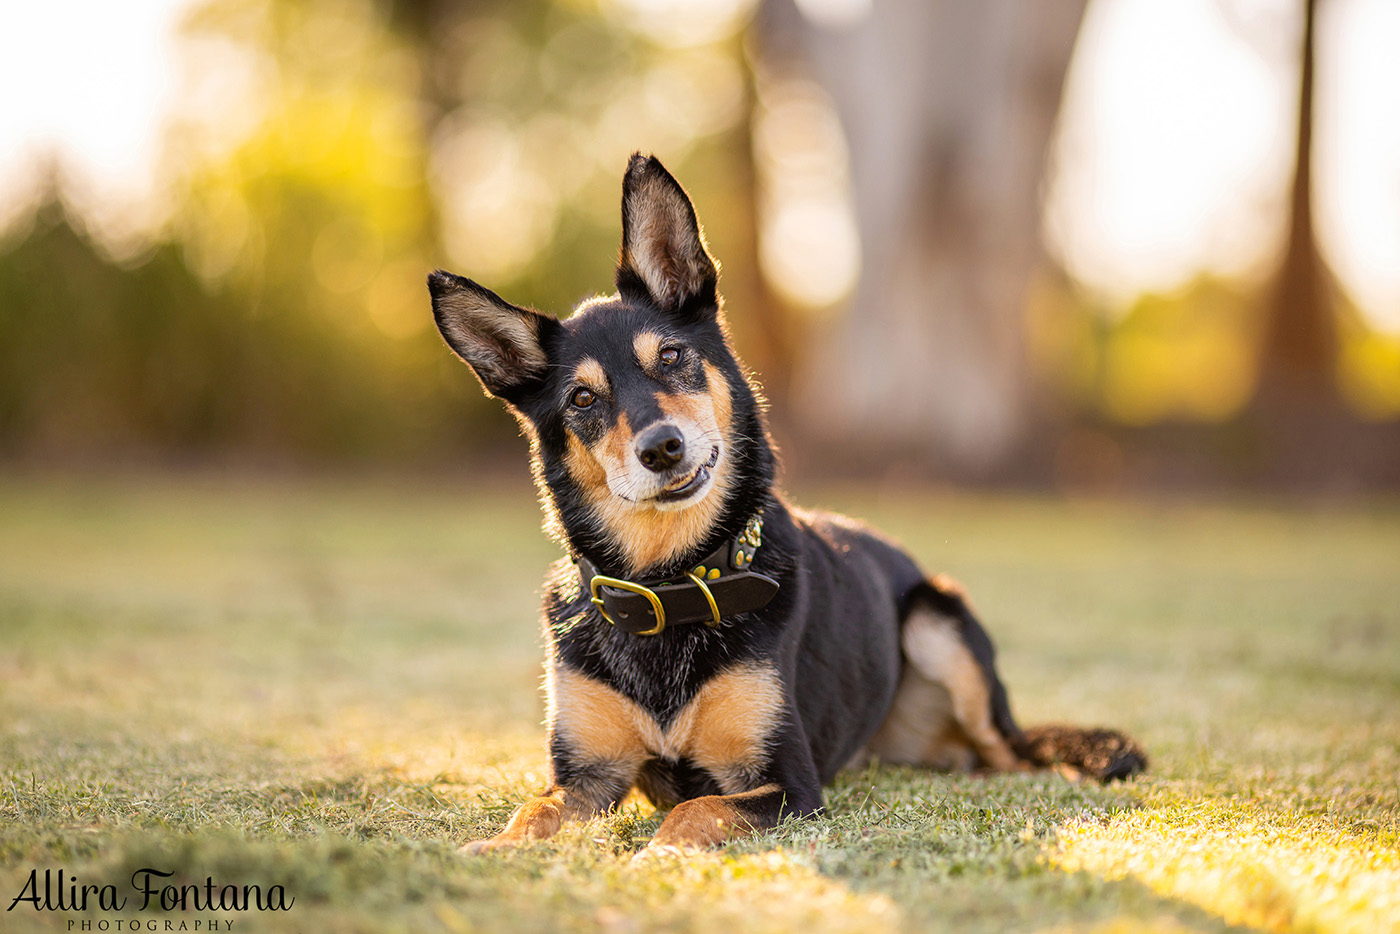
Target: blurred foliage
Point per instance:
(91, 354)
(536, 108)
(282, 313)
(1369, 370)
(1183, 356)
(323, 156)
(100, 360)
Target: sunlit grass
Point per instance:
(334, 684)
(1273, 871)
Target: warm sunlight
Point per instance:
(1250, 866)
(89, 85)
(1173, 155)
(329, 327)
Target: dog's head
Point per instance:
(646, 437)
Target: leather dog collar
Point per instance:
(719, 586)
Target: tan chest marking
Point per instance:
(723, 730)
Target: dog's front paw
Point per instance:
(697, 824)
(656, 851)
(477, 847)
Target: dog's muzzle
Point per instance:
(661, 447)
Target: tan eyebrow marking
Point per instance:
(647, 347)
(590, 373)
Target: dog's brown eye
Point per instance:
(670, 356)
(583, 398)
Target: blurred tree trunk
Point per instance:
(1304, 432)
(948, 108)
(1298, 358)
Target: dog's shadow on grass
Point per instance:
(901, 847)
(970, 852)
(957, 853)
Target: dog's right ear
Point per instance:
(503, 343)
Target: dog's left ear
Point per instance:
(664, 258)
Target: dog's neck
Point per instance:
(738, 526)
(721, 586)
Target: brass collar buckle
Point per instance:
(599, 581)
(709, 597)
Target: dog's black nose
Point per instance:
(661, 448)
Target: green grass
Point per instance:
(332, 686)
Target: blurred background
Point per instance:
(1103, 244)
(1045, 289)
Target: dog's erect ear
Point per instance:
(504, 344)
(663, 253)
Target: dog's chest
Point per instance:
(723, 729)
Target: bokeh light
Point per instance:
(809, 247)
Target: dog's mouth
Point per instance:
(690, 485)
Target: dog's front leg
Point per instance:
(781, 782)
(585, 793)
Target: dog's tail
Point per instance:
(1106, 755)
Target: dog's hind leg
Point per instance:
(950, 711)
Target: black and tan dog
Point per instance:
(709, 644)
